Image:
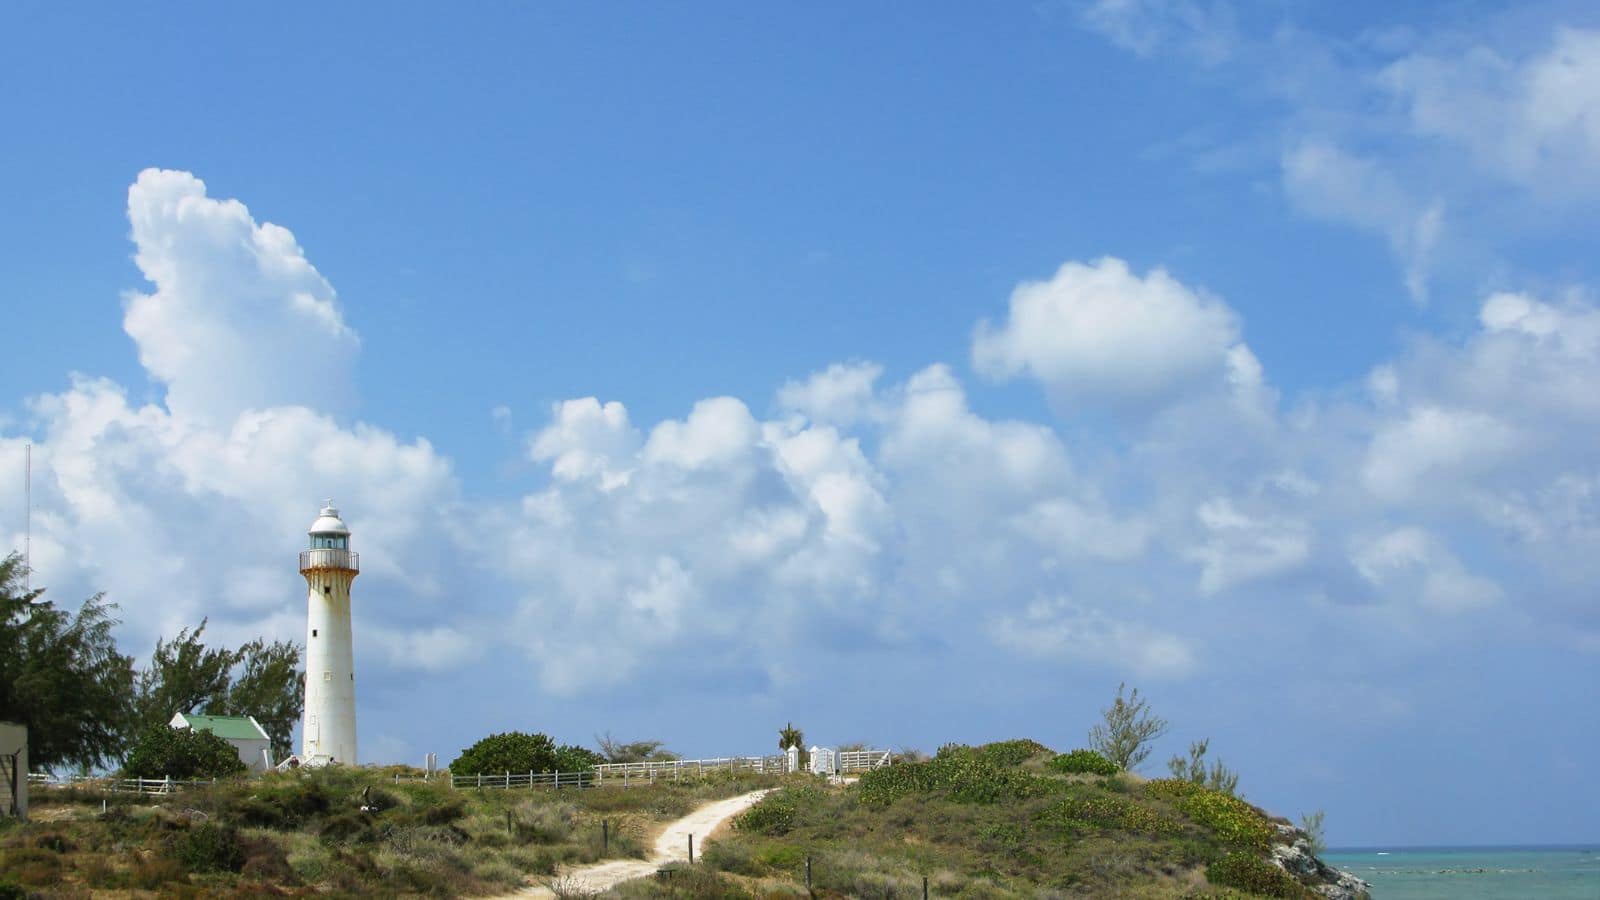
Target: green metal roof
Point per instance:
(227, 727)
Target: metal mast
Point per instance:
(27, 519)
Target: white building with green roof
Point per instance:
(243, 733)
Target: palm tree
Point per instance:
(790, 736)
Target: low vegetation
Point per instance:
(336, 831)
(1000, 820)
(1011, 819)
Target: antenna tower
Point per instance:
(27, 519)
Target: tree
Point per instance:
(616, 751)
(167, 752)
(790, 736)
(183, 676)
(61, 675)
(1311, 824)
(1219, 777)
(260, 679)
(268, 686)
(515, 751)
(1126, 730)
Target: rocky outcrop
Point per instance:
(1293, 854)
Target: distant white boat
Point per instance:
(1383, 853)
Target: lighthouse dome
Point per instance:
(328, 521)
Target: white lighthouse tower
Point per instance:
(329, 732)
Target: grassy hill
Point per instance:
(999, 821)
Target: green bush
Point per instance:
(1235, 822)
(962, 773)
(778, 812)
(1083, 762)
(1116, 813)
(284, 802)
(209, 848)
(515, 752)
(184, 753)
(1249, 872)
(1009, 754)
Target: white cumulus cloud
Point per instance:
(1099, 334)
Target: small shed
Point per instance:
(243, 733)
(13, 770)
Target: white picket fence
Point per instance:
(823, 761)
(116, 785)
(863, 760)
(524, 780)
(675, 769)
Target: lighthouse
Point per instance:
(329, 566)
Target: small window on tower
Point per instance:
(313, 632)
(327, 676)
(327, 589)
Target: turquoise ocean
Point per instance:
(1474, 873)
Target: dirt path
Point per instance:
(672, 845)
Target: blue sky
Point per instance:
(914, 373)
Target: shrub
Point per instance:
(515, 751)
(348, 827)
(1311, 826)
(1108, 812)
(1126, 729)
(1234, 821)
(1218, 777)
(1248, 872)
(182, 753)
(1174, 789)
(265, 861)
(685, 882)
(778, 812)
(733, 856)
(31, 866)
(284, 802)
(54, 842)
(961, 772)
(782, 857)
(1083, 762)
(156, 871)
(209, 848)
(1009, 754)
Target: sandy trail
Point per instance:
(671, 846)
